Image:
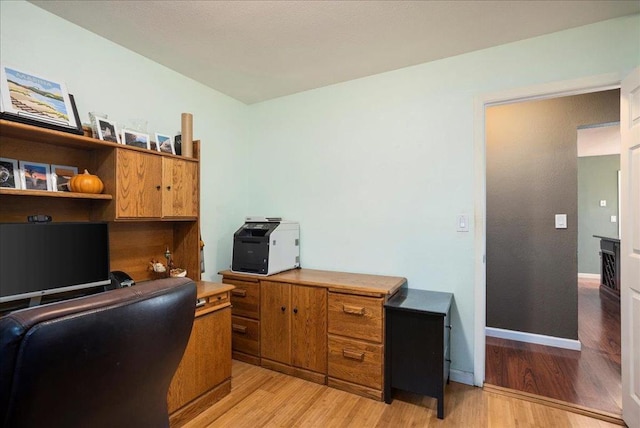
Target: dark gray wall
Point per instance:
(597, 180)
(532, 267)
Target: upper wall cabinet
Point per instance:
(180, 188)
(138, 185)
(152, 186)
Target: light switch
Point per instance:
(614, 219)
(561, 221)
(462, 223)
(603, 203)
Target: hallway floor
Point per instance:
(589, 378)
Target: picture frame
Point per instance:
(35, 176)
(165, 144)
(9, 174)
(106, 130)
(60, 177)
(36, 100)
(135, 139)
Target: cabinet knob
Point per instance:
(283, 308)
(168, 187)
(295, 310)
(157, 187)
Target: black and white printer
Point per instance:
(266, 245)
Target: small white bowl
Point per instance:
(178, 273)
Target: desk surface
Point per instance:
(412, 300)
(606, 238)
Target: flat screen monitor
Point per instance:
(37, 259)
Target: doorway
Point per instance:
(532, 290)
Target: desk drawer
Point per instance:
(245, 335)
(356, 316)
(245, 298)
(355, 361)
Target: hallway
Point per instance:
(589, 378)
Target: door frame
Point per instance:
(579, 86)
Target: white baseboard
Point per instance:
(589, 275)
(461, 377)
(538, 339)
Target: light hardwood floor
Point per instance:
(264, 398)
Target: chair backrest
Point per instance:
(104, 360)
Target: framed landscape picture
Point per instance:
(136, 139)
(165, 143)
(60, 176)
(35, 176)
(106, 130)
(9, 173)
(35, 98)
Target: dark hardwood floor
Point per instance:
(589, 378)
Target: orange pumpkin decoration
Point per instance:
(86, 183)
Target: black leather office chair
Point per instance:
(104, 360)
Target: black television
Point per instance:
(39, 259)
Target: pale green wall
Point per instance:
(597, 180)
(105, 77)
(375, 169)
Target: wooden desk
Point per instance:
(417, 343)
(204, 374)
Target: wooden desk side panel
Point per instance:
(206, 362)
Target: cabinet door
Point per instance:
(206, 361)
(275, 322)
(180, 189)
(138, 185)
(309, 328)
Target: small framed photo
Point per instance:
(60, 176)
(136, 139)
(9, 173)
(35, 176)
(165, 144)
(106, 130)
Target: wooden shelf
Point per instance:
(49, 194)
(9, 129)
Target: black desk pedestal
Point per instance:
(417, 344)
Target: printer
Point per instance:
(266, 245)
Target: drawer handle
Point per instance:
(239, 328)
(355, 310)
(201, 302)
(353, 355)
(239, 292)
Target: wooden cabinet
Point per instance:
(327, 327)
(294, 329)
(356, 361)
(245, 300)
(204, 374)
(152, 186)
(138, 185)
(145, 218)
(180, 190)
(275, 305)
(309, 328)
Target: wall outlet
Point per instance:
(603, 203)
(614, 219)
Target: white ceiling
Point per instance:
(599, 140)
(259, 50)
